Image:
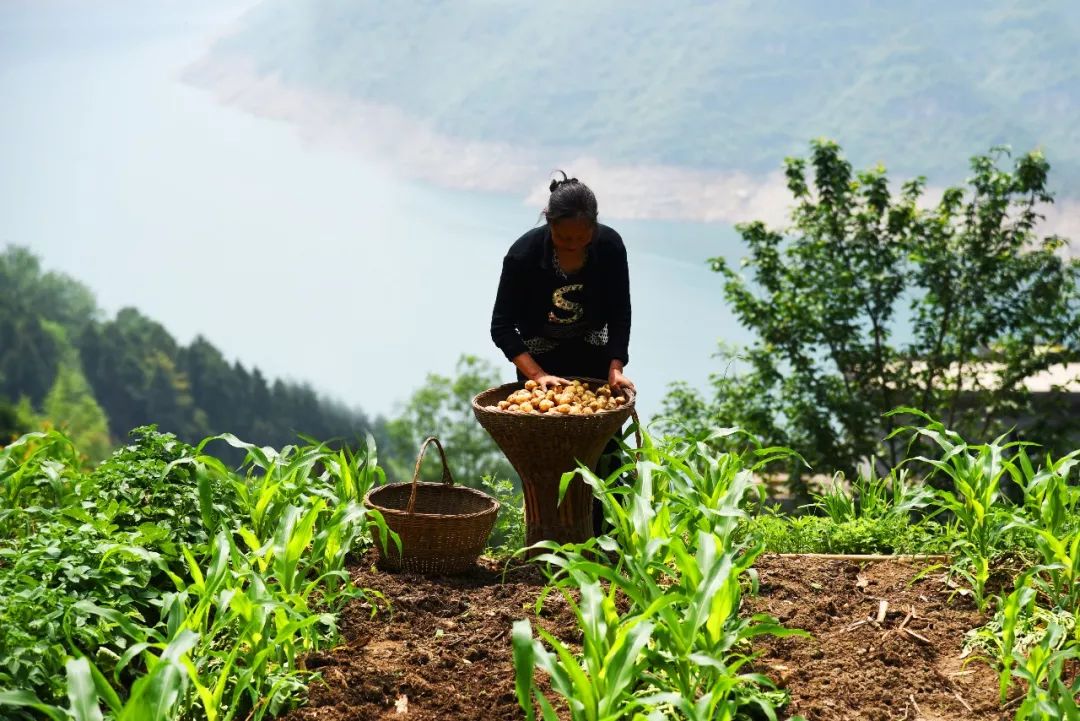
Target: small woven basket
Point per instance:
(443, 527)
(542, 448)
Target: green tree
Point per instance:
(871, 301)
(56, 297)
(442, 407)
(29, 356)
(12, 425)
(71, 406)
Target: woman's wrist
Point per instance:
(529, 367)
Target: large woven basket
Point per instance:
(443, 527)
(544, 447)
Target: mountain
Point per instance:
(727, 86)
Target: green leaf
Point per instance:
(26, 699)
(82, 693)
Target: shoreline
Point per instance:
(387, 136)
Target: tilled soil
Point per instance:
(907, 666)
(444, 652)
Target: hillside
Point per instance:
(64, 362)
(731, 86)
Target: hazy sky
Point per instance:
(310, 262)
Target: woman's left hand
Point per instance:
(616, 379)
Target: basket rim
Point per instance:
(631, 399)
(493, 508)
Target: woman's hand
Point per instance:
(549, 381)
(616, 379)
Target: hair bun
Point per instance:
(554, 184)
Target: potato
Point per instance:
(575, 398)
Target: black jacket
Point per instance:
(536, 307)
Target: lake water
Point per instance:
(304, 260)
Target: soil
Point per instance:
(908, 666)
(444, 653)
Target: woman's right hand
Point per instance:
(548, 381)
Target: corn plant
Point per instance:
(1018, 606)
(204, 612)
(1059, 576)
(156, 695)
(975, 472)
(1049, 497)
(1049, 696)
(873, 497)
(673, 554)
(598, 684)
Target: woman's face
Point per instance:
(571, 235)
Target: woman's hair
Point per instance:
(570, 198)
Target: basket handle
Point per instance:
(637, 427)
(447, 479)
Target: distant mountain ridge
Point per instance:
(731, 86)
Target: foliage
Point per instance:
(870, 301)
(508, 534)
(163, 585)
(894, 496)
(77, 369)
(442, 407)
(678, 644)
(819, 534)
(12, 425)
(70, 404)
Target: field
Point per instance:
(166, 584)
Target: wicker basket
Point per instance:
(443, 527)
(544, 447)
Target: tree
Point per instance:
(70, 405)
(12, 425)
(869, 302)
(139, 373)
(442, 407)
(29, 356)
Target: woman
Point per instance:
(563, 305)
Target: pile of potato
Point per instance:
(576, 399)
